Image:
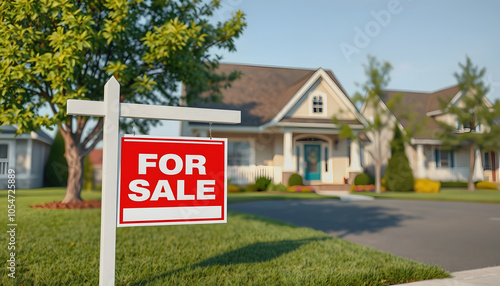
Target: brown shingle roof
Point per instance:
(261, 92)
(420, 103)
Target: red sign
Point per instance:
(172, 180)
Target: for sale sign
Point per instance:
(172, 180)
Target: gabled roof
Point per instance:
(420, 103)
(262, 92)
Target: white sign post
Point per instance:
(111, 109)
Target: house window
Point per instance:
(317, 104)
(444, 159)
(238, 153)
(487, 164)
(4, 159)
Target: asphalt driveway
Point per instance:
(456, 236)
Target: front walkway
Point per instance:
(345, 196)
(477, 277)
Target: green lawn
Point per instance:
(460, 195)
(61, 247)
(265, 196)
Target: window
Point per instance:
(444, 159)
(487, 164)
(317, 104)
(238, 153)
(4, 159)
(297, 155)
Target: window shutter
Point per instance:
(436, 157)
(452, 159)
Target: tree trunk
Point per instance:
(378, 185)
(75, 168)
(472, 161)
(378, 163)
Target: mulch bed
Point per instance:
(89, 204)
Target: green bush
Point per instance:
(398, 174)
(363, 179)
(454, 184)
(56, 169)
(233, 189)
(262, 183)
(295, 180)
(88, 174)
(279, 188)
(250, 188)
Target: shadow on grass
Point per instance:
(254, 253)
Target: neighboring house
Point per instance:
(96, 161)
(27, 154)
(427, 157)
(286, 126)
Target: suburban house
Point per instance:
(95, 157)
(427, 157)
(26, 153)
(286, 126)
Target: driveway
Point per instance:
(456, 236)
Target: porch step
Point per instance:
(332, 187)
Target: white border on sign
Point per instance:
(174, 139)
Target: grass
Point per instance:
(260, 196)
(459, 195)
(61, 247)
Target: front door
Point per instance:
(312, 161)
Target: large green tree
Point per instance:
(478, 118)
(55, 50)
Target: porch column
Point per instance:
(355, 167)
(355, 161)
(420, 162)
(287, 152)
(478, 174)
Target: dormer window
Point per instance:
(317, 104)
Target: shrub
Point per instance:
(262, 183)
(233, 189)
(486, 185)
(88, 174)
(426, 186)
(250, 188)
(56, 169)
(363, 179)
(279, 188)
(398, 174)
(454, 184)
(295, 180)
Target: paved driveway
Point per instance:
(456, 236)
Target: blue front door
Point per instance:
(312, 159)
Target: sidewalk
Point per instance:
(345, 196)
(479, 277)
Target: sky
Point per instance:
(423, 40)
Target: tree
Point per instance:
(55, 50)
(398, 175)
(472, 111)
(56, 169)
(380, 115)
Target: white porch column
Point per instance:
(355, 161)
(420, 162)
(478, 174)
(287, 152)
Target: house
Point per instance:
(26, 153)
(286, 126)
(95, 157)
(427, 157)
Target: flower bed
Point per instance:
(301, 189)
(363, 188)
